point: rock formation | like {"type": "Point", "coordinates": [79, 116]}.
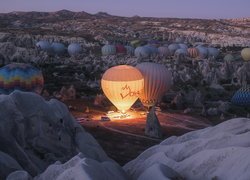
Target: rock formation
{"type": "Point", "coordinates": [35, 133]}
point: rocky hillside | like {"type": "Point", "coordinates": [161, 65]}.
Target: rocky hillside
{"type": "Point", "coordinates": [102, 26]}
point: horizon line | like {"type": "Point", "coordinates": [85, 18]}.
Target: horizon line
{"type": "Point", "coordinates": [162, 17]}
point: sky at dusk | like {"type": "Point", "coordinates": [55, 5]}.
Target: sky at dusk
{"type": "Point", "coordinates": [149, 8]}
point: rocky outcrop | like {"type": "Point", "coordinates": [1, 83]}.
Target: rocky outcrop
{"type": "Point", "coordinates": [35, 133]}
{"type": "Point", "coordinates": [220, 152]}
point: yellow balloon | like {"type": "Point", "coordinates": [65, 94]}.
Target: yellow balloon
{"type": "Point", "coordinates": [245, 53]}
{"type": "Point", "coordinates": [122, 85]}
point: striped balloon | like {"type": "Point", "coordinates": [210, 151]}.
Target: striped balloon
{"type": "Point", "coordinates": [193, 52]}
{"type": "Point", "coordinates": [242, 97]}
{"type": "Point", "coordinates": [157, 80]}
{"type": "Point", "coordinates": [19, 76]}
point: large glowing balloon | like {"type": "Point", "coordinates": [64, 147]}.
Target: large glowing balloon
{"type": "Point", "coordinates": [19, 76]}
{"type": "Point", "coordinates": [122, 85]}
{"type": "Point", "coordinates": [245, 53]}
{"type": "Point", "coordinates": [157, 80]}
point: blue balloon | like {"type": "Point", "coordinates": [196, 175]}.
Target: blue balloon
{"type": "Point", "coordinates": [130, 50]}
{"type": "Point", "coordinates": [142, 51]}
{"type": "Point", "coordinates": [203, 52]}
{"type": "Point", "coordinates": [43, 45]}
{"type": "Point", "coordinates": [213, 52]}
{"type": "Point", "coordinates": [153, 50]}
{"type": "Point", "coordinates": [242, 97]}
{"type": "Point", "coordinates": [58, 48]}
{"type": "Point", "coordinates": [74, 49]}
{"type": "Point", "coordinates": [172, 48]}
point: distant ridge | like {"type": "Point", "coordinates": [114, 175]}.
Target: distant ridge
{"type": "Point", "coordinates": [67, 13]}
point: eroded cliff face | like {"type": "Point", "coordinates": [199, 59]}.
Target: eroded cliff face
{"type": "Point", "coordinates": [36, 133]}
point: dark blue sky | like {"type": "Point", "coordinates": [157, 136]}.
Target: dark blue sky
{"type": "Point", "coordinates": [154, 8]}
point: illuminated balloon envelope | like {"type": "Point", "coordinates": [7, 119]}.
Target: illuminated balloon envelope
{"type": "Point", "coordinates": [157, 80]}
{"type": "Point", "coordinates": [122, 85]}
{"type": "Point", "coordinates": [19, 76]}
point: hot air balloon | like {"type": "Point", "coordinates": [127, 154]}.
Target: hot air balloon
{"type": "Point", "coordinates": [157, 80]}
{"type": "Point", "coordinates": [74, 49]}
{"type": "Point", "coordinates": [43, 45]}
{"type": "Point", "coordinates": [213, 52]}
{"type": "Point", "coordinates": [108, 49]}
{"type": "Point", "coordinates": [120, 49]}
{"type": "Point", "coordinates": [130, 50]}
{"type": "Point", "coordinates": [19, 76]}
{"type": "Point", "coordinates": [242, 97]}
{"type": "Point", "coordinates": [182, 46]}
{"type": "Point", "coordinates": [181, 51]}
{"type": "Point", "coordinates": [203, 52]}
{"type": "Point", "coordinates": [58, 48]}
{"type": "Point", "coordinates": [245, 53]}
{"type": "Point", "coordinates": [163, 51]}
{"type": "Point", "coordinates": [153, 50]}
{"type": "Point", "coordinates": [180, 54]}
{"type": "Point", "coordinates": [193, 52]}
{"type": "Point", "coordinates": [122, 85]}
{"type": "Point", "coordinates": [172, 48]}
{"type": "Point", "coordinates": [142, 51]}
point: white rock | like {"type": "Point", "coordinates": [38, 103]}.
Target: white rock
{"type": "Point", "coordinates": [80, 167]}
{"type": "Point", "coordinates": [220, 152]}
{"type": "Point", "coordinates": [37, 133]}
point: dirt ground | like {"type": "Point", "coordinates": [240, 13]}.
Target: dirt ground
{"type": "Point", "coordinates": [123, 139]}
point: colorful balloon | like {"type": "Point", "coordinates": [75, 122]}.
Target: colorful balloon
{"type": "Point", "coordinates": [193, 52]}
{"type": "Point", "coordinates": [157, 80]}
{"type": "Point", "coordinates": [122, 85]}
{"type": "Point", "coordinates": [19, 76]}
